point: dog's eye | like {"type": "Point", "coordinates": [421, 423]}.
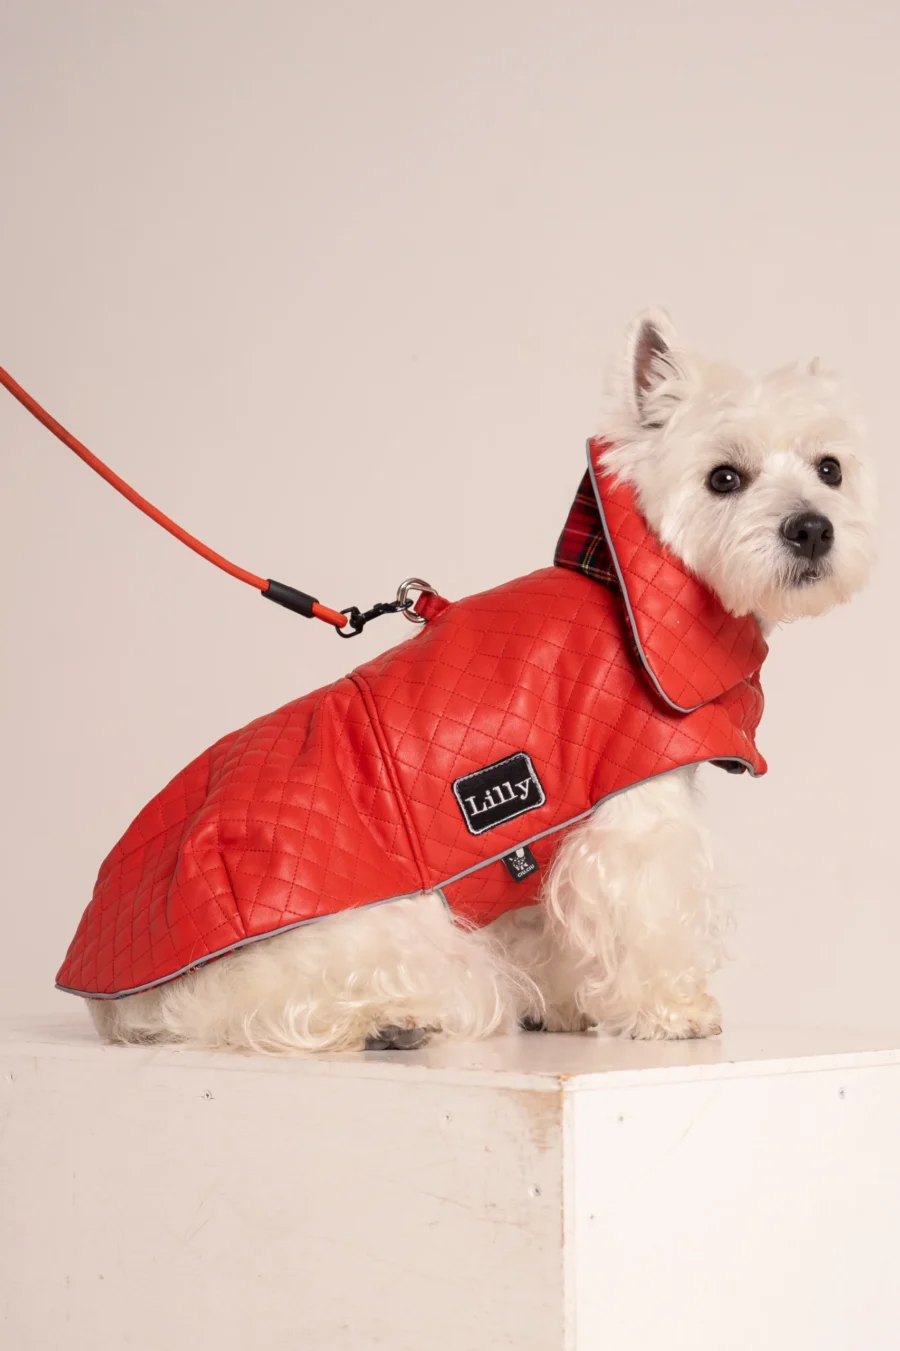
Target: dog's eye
{"type": "Point", "coordinates": [724, 479]}
{"type": "Point", "coordinates": [830, 471]}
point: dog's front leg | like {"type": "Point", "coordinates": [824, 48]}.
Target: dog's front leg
{"type": "Point", "coordinates": [631, 912]}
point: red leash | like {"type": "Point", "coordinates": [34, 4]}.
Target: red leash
{"type": "Point", "coordinates": [291, 599]}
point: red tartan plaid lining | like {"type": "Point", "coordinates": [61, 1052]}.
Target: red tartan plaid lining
{"type": "Point", "coordinates": [582, 545]}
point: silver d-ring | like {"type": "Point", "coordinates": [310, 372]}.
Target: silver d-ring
{"type": "Point", "coordinates": [403, 590]}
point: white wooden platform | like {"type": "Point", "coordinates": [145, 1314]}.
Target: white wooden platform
{"type": "Point", "coordinates": [538, 1193]}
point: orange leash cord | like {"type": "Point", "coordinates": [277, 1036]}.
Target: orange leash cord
{"type": "Point", "coordinates": [288, 596]}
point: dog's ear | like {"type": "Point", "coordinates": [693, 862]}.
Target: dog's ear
{"type": "Point", "coordinates": [651, 368]}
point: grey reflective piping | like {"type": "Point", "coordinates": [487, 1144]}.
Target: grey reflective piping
{"type": "Point", "coordinates": [241, 943]}
{"type": "Point", "coordinates": [627, 599]}
{"type": "Point", "coordinates": [407, 896]}
{"type": "Point", "coordinates": [573, 820]}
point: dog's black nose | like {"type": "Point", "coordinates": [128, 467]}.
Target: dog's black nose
{"type": "Point", "coordinates": [810, 534]}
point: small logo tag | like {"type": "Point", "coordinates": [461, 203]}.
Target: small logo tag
{"type": "Point", "coordinates": [521, 863]}
{"type": "Point", "coordinates": [491, 796]}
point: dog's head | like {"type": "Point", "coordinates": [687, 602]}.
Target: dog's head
{"type": "Point", "coordinates": [756, 483]}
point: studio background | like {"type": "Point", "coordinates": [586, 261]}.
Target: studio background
{"type": "Point", "coordinates": [335, 285]}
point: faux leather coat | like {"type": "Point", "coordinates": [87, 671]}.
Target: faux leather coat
{"type": "Point", "coordinates": [451, 763]}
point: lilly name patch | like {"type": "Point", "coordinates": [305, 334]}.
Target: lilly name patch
{"type": "Point", "coordinates": [498, 793]}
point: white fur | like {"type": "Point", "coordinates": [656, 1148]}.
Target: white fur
{"type": "Point", "coordinates": [774, 428]}
{"type": "Point", "coordinates": [630, 925]}
{"type": "Point", "coordinates": [331, 985]}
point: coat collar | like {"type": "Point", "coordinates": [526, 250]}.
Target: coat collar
{"type": "Point", "coordinates": [690, 648]}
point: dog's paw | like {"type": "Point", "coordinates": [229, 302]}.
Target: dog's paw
{"type": "Point", "coordinates": [393, 1038]}
{"type": "Point", "coordinates": [685, 1023]}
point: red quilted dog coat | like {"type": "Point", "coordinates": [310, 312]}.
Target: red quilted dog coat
{"type": "Point", "coordinates": [504, 721]}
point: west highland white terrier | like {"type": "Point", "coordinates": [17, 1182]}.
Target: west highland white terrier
{"type": "Point", "coordinates": [757, 485]}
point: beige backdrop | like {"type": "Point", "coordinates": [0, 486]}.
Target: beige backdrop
{"type": "Point", "coordinates": [335, 284]}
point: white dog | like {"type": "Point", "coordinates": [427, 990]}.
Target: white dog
{"type": "Point", "coordinates": [758, 486]}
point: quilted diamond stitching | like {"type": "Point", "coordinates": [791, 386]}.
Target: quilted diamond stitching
{"type": "Point", "coordinates": [296, 815]}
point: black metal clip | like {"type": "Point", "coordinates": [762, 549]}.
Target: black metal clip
{"type": "Point", "coordinates": [357, 619]}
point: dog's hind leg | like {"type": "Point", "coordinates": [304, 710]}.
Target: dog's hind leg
{"type": "Point", "coordinates": [386, 975]}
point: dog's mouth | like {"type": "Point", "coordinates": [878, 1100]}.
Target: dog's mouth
{"type": "Point", "coordinates": [807, 574]}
